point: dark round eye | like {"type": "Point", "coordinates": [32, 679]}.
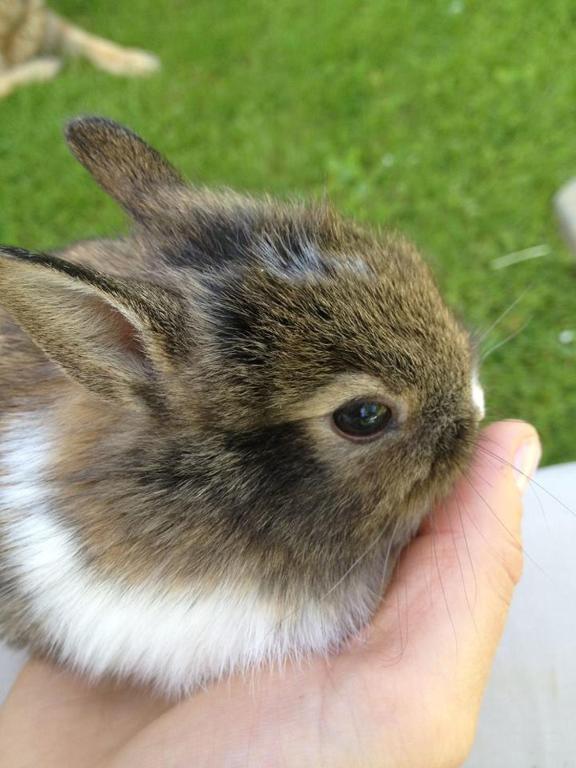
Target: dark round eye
{"type": "Point", "coordinates": [362, 418]}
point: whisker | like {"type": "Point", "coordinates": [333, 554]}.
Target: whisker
{"type": "Point", "coordinates": [479, 531]}
{"type": "Point", "coordinates": [443, 587]}
{"type": "Point", "coordinates": [530, 479]}
{"type": "Point", "coordinates": [513, 538]}
{"type": "Point", "coordinates": [366, 552]}
{"type": "Point", "coordinates": [506, 340]}
{"type": "Point", "coordinates": [469, 555]}
{"type": "Point", "coordinates": [541, 507]}
{"type": "Point", "coordinates": [503, 315]}
{"type": "Point", "coordinates": [480, 477]}
{"type": "Point", "coordinates": [403, 630]}
{"type": "Point", "coordinates": [533, 490]}
{"type": "Point", "coordinates": [402, 623]}
{"type": "Point", "coordinates": [354, 565]}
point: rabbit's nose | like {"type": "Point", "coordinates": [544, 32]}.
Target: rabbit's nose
{"type": "Point", "coordinates": [454, 436]}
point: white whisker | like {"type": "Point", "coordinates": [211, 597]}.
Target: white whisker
{"type": "Point", "coordinates": [506, 340]}
{"type": "Point", "coordinates": [503, 315]}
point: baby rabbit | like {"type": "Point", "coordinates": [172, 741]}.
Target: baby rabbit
{"type": "Point", "coordinates": [217, 432]}
{"type": "Point", "coordinates": [33, 40]}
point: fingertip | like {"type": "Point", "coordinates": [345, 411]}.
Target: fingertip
{"type": "Point", "coordinates": [526, 461]}
{"type": "Point", "coordinates": [514, 445]}
{"type": "Point", "coordinates": [510, 431]}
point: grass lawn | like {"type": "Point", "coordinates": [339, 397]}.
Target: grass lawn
{"type": "Point", "coordinates": [452, 120]}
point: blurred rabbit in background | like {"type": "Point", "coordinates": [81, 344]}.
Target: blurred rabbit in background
{"type": "Point", "coordinates": [34, 40]}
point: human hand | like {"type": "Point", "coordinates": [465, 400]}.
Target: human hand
{"type": "Point", "coordinates": [406, 694]}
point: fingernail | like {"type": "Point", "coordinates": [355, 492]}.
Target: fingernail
{"type": "Point", "coordinates": [526, 461]}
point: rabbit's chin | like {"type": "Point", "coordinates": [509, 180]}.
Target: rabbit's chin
{"type": "Point", "coordinates": [153, 634]}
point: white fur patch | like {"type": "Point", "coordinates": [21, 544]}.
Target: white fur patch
{"type": "Point", "coordinates": [173, 640]}
{"type": "Point", "coordinates": [478, 396]}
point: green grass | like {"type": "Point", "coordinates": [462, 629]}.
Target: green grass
{"type": "Point", "coordinates": [449, 119]}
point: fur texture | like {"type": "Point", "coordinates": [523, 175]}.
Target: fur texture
{"type": "Point", "coordinates": [175, 502]}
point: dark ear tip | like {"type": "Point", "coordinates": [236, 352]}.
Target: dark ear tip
{"type": "Point", "coordinates": [83, 122]}
{"type": "Point", "coordinates": [81, 128]}
{"type": "Point", "coordinates": [122, 163]}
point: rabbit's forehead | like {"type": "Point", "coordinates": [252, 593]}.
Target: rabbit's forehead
{"type": "Point", "coordinates": [374, 327]}
{"type": "Point", "coordinates": [342, 335]}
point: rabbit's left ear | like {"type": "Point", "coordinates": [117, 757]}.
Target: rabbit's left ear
{"type": "Point", "coordinates": [118, 338]}
{"type": "Point", "coordinates": [127, 168]}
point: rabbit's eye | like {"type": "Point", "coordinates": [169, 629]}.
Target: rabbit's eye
{"type": "Point", "coordinates": [360, 419]}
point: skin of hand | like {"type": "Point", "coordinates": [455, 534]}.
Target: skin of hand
{"type": "Point", "coordinates": [403, 695]}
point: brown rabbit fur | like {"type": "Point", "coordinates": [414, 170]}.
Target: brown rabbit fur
{"type": "Point", "coordinates": [175, 502]}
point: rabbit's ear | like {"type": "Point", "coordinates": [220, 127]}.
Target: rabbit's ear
{"type": "Point", "coordinates": [122, 163]}
{"type": "Point", "coordinates": [117, 338]}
